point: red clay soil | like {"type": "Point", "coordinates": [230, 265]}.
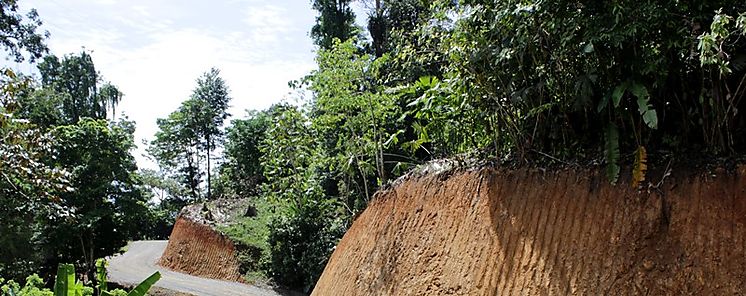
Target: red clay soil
{"type": "Point", "coordinates": [496, 232]}
{"type": "Point", "coordinates": [196, 248]}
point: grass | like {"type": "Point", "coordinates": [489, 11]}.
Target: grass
{"type": "Point", "coordinates": [257, 278]}
{"type": "Point", "coordinates": [252, 232]}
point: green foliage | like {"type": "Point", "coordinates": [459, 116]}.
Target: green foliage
{"type": "Point", "coordinates": [193, 131]}
{"type": "Point", "coordinates": [79, 86]}
{"type": "Point", "coordinates": [612, 153]}
{"type": "Point", "coordinates": [518, 77]}
{"type": "Point", "coordinates": [42, 107]}
{"type": "Point", "coordinates": [353, 117]}
{"type": "Point", "coordinates": [305, 221]}
{"type": "Point", "coordinates": [106, 202]}
{"type": "Point", "coordinates": [243, 168]}
{"type": "Point", "coordinates": [30, 188]}
{"type": "Point", "coordinates": [117, 292]}
{"type": "Point", "coordinates": [34, 287]}
{"type": "Point", "coordinates": [212, 93]}
{"type": "Point", "coordinates": [101, 265]}
{"type": "Point", "coordinates": [66, 285]}
{"type": "Point", "coordinates": [301, 241]}
{"type": "Point", "coordinates": [335, 21]}
{"type": "Point", "coordinates": [392, 19]}
{"type": "Point", "coordinates": [251, 234]}
{"type": "Point", "coordinates": [67, 177]}
{"type": "Point", "coordinates": [716, 45]}
{"type": "Point", "coordinates": [142, 288]}
{"type": "Point", "coordinates": [175, 149]}
{"type": "Point", "coordinates": [166, 198]}
{"type": "Point", "coordinates": [19, 35]}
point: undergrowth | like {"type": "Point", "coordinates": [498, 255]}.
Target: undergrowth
{"type": "Point", "coordinates": [250, 234]}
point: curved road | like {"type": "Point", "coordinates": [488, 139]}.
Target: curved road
{"type": "Point", "coordinates": [139, 262]}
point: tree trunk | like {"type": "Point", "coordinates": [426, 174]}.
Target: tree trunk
{"type": "Point", "coordinates": [192, 175]}
{"type": "Point", "coordinates": [209, 179]}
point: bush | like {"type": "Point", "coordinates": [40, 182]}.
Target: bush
{"type": "Point", "coordinates": [118, 292]}
{"type": "Point", "coordinates": [34, 287]}
{"type": "Point", "coordinates": [301, 242]}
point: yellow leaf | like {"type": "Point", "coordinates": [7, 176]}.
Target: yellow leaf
{"type": "Point", "coordinates": [641, 166]}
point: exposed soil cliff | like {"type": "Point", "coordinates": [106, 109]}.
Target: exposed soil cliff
{"type": "Point", "coordinates": [496, 232]}
{"type": "Point", "coordinates": [196, 248]}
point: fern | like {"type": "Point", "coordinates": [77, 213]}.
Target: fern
{"type": "Point", "coordinates": [612, 153]}
{"type": "Point", "coordinates": [641, 166]}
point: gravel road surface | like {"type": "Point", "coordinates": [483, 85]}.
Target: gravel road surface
{"type": "Point", "coordinates": [139, 262]}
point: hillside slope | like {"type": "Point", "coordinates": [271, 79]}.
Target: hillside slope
{"type": "Point", "coordinates": [196, 248]}
{"type": "Point", "coordinates": [496, 232]}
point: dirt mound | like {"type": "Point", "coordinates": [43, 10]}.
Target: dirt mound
{"type": "Point", "coordinates": [494, 232]}
{"type": "Point", "coordinates": [196, 248]}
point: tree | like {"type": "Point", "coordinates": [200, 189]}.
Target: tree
{"type": "Point", "coordinates": [30, 188]}
{"type": "Point", "coordinates": [242, 152]}
{"type": "Point", "coordinates": [166, 199]}
{"type": "Point", "coordinates": [351, 115]}
{"type": "Point", "coordinates": [43, 107]}
{"type": "Point", "coordinates": [175, 147]}
{"type": "Point", "coordinates": [335, 21]}
{"type": "Point", "coordinates": [212, 99]}
{"type": "Point", "coordinates": [305, 225]}
{"type": "Point", "coordinates": [18, 34]}
{"type": "Point", "coordinates": [76, 79]}
{"type": "Point", "coordinates": [106, 203]}
{"type": "Point", "coordinates": [193, 129]}
{"type": "Point", "coordinates": [394, 18]}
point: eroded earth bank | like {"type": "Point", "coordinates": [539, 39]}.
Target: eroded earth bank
{"type": "Point", "coordinates": [500, 232]}
{"type": "Point", "coordinates": [196, 248]}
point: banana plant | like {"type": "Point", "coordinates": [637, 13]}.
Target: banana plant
{"type": "Point", "coordinates": [141, 288]}
{"type": "Point", "coordinates": [66, 285]}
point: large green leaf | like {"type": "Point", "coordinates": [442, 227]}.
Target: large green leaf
{"type": "Point", "coordinates": [145, 285]}
{"type": "Point", "coordinates": [101, 275]}
{"type": "Point", "coordinates": [64, 284]}
{"type": "Point", "coordinates": [639, 90]}
{"type": "Point", "coordinates": [611, 152]}
{"type": "Point", "coordinates": [616, 95]}
{"type": "Point", "coordinates": [649, 116]}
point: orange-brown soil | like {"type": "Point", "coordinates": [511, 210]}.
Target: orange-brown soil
{"type": "Point", "coordinates": [498, 232]}
{"type": "Point", "coordinates": [196, 248]}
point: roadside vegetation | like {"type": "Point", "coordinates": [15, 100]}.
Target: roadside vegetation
{"type": "Point", "coordinates": [65, 284]}
{"type": "Point", "coordinates": [623, 86]}
{"type": "Point", "coordinates": [69, 185]}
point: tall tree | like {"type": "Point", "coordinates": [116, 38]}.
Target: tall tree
{"type": "Point", "coordinates": [175, 147]}
{"type": "Point", "coordinates": [335, 20]}
{"type": "Point", "coordinates": [193, 129]}
{"type": "Point", "coordinates": [106, 203]}
{"type": "Point", "coordinates": [29, 187]}
{"type": "Point", "coordinates": [212, 99]}
{"type": "Point", "coordinates": [388, 18]}
{"type": "Point", "coordinates": [76, 78]}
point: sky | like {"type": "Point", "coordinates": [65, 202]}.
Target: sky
{"type": "Point", "coordinates": [154, 51]}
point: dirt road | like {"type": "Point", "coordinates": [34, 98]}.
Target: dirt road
{"type": "Point", "coordinates": [139, 262]}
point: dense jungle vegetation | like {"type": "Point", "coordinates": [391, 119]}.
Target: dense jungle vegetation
{"type": "Point", "coordinates": [616, 84]}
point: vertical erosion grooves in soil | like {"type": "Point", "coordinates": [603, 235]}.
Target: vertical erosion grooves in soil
{"type": "Point", "coordinates": [196, 248]}
{"type": "Point", "coordinates": [495, 232]}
